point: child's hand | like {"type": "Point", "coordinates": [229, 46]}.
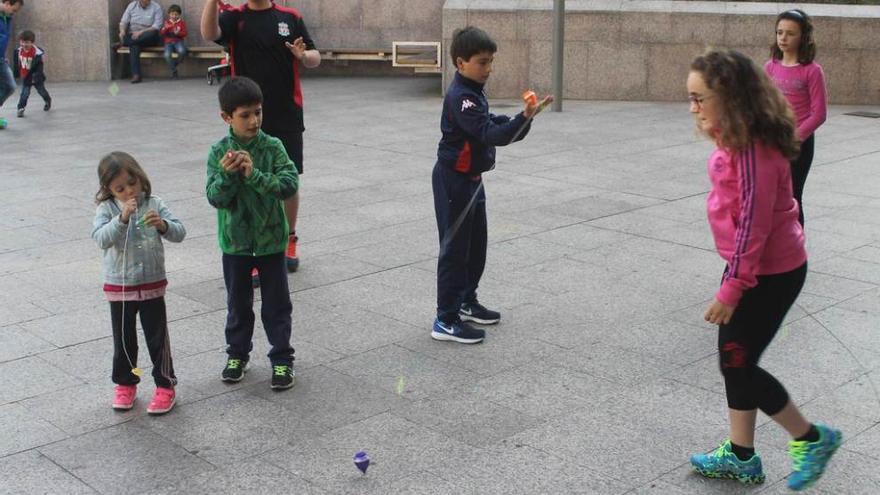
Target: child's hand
{"type": "Point", "coordinates": [718, 313]}
{"type": "Point", "coordinates": [152, 219]}
{"type": "Point", "coordinates": [532, 106]}
{"type": "Point", "coordinates": [247, 164]}
{"type": "Point", "coordinates": [297, 48]}
{"type": "Point", "coordinates": [230, 162]}
{"type": "Point", "coordinates": [128, 209]}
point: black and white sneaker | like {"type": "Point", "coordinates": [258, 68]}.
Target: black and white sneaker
{"type": "Point", "coordinates": [458, 331]}
{"type": "Point", "coordinates": [478, 313]}
{"type": "Point", "coordinates": [283, 376]}
{"type": "Point", "coordinates": [234, 370]}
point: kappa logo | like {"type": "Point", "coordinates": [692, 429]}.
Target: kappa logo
{"type": "Point", "coordinates": [465, 104]}
{"type": "Point", "coordinates": [283, 29]}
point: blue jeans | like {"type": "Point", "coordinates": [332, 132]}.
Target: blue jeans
{"type": "Point", "coordinates": [26, 93]}
{"type": "Point", "coordinates": [170, 48]}
{"type": "Point", "coordinates": [7, 82]}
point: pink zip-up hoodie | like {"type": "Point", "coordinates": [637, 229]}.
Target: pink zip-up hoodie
{"type": "Point", "coordinates": [753, 216]}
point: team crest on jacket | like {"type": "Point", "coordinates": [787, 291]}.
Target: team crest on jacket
{"type": "Point", "coordinates": [283, 29]}
{"type": "Point", "coordinates": [465, 104]}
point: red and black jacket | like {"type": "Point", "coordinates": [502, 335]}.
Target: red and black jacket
{"type": "Point", "coordinates": [470, 132]}
{"type": "Point", "coordinates": [28, 69]}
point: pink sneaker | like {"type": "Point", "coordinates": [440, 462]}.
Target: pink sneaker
{"type": "Point", "coordinates": [124, 396]}
{"type": "Point", "coordinates": [162, 402]}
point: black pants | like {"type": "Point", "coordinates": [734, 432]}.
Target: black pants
{"type": "Point", "coordinates": [800, 167]}
{"type": "Point", "coordinates": [134, 45]}
{"type": "Point", "coordinates": [293, 144]}
{"type": "Point", "coordinates": [276, 308]}
{"type": "Point", "coordinates": [26, 93]}
{"type": "Point", "coordinates": [125, 352]}
{"type": "Point", "coordinates": [458, 198]}
{"type": "Point", "coordinates": [742, 341]}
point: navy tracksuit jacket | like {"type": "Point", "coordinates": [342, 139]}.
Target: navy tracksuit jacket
{"type": "Point", "coordinates": [466, 150]}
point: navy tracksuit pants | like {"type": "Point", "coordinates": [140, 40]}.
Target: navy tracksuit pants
{"type": "Point", "coordinates": [460, 207]}
{"type": "Point", "coordinates": [276, 308]}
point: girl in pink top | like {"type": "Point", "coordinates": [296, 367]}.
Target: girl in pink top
{"type": "Point", "coordinates": [802, 81]}
{"type": "Point", "coordinates": [753, 217]}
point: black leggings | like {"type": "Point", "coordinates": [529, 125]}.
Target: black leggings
{"type": "Point", "coordinates": [125, 354]}
{"type": "Point", "coordinates": [742, 341]}
{"type": "Point", "coordinates": [800, 167]}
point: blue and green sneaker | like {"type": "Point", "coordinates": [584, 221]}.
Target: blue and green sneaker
{"type": "Point", "coordinates": [3, 123]}
{"type": "Point", "coordinates": [810, 458]}
{"type": "Point", "coordinates": [723, 463]}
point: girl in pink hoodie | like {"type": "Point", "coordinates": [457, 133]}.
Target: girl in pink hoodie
{"type": "Point", "coordinates": [754, 219]}
{"type": "Point", "coordinates": [802, 81]}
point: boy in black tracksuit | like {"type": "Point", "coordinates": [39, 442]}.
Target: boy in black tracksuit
{"type": "Point", "coordinates": [466, 150]}
{"type": "Point", "coordinates": [27, 65]}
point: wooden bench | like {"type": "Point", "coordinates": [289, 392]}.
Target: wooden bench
{"type": "Point", "coordinates": [420, 56]}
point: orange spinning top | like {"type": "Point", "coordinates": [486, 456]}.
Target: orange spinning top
{"type": "Point", "coordinates": [530, 97]}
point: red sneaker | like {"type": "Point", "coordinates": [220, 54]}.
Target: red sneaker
{"type": "Point", "coordinates": [163, 401]}
{"type": "Point", "coordinates": [124, 396]}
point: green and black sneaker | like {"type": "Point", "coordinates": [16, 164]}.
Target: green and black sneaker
{"type": "Point", "coordinates": [234, 370]}
{"type": "Point", "coordinates": [283, 376]}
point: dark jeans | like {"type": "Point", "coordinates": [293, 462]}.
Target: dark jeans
{"type": "Point", "coordinates": [155, 327]}
{"type": "Point", "coordinates": [741, 342]}
{"type": "Point", "coordinates": [275, 311]}
{"type": "Point", "coordinates": [463, 247]}
{"type": "Point", "coordinates": [26, 93]}
{"type": "Point", "coordinates": [800, 167]}
{"type": "Point", "coordinates": [170, 48]}
{"type": "Point", "coordinates": [149, 39]}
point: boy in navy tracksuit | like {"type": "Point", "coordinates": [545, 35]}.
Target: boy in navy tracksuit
{"type": "Point", "coordinates": [466, 150]}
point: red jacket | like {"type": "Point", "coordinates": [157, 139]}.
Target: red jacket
{"type": "Point", "coordinates": [173, 32]}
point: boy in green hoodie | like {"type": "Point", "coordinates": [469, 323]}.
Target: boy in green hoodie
{"type": "Point", "coordinates": [249, 177]}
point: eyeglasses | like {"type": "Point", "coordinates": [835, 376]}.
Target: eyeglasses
{"type": "Point", "coordinates": [698, 100]}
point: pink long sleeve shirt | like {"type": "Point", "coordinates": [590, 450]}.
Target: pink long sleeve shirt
{"type": "Point", "coordinates": [804, 88]}
{"type": "Point", "coordinates": [753, 217]}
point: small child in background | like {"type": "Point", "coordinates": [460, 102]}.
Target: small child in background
{"type": "Point", "coordinates": [754, 220]}
{"type": "Point", "coordinates": [173, 32]}
{"type": "Point", "coordinates": [28, 62]}
{"type": "Point", "coordinates": [249, 177]}
{"type": "Point", "coordinates": [129, 226]}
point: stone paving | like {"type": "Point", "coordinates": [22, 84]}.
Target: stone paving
{"type": "Point", "coordinates": [601, 378]}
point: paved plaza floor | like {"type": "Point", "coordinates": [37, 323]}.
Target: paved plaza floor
{"type": "Point", "coordinates": [601, 378]}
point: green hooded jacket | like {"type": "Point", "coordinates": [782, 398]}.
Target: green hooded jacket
{"type": "Point", "coordinates": [250, 212]}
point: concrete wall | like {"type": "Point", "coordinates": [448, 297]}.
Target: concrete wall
{"type": "Point", "coordinates": [77, 33]}
{"type": "Point", "coordinates": [641, 49]}
{"type": "Point", "coordinates": [74, 35]}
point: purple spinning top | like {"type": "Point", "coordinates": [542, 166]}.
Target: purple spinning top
{"type": "Point", "coordinates": [361, 461]}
